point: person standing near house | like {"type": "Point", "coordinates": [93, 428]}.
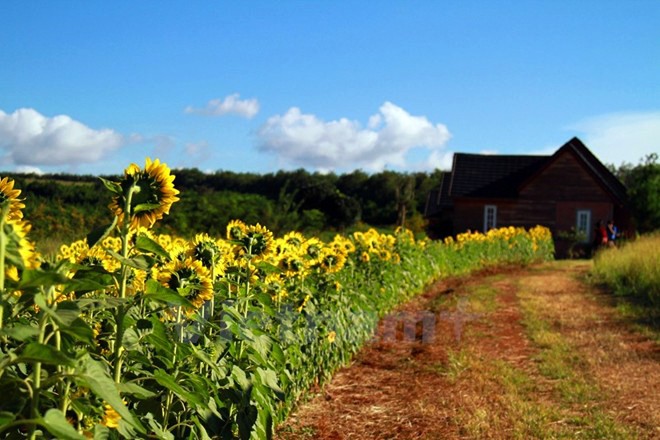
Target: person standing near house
{"type": "Point", "coordinates": [600, 236]}
{"type": "Point", "coordinates": [612, 233]}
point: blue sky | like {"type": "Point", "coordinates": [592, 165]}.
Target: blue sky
{"type": "Point", "coordinates": [258, 86]}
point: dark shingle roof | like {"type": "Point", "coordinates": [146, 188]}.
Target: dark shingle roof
{"type": "Point", "coordinates": [477, 175]}
{"type": "Point", "coordinates": [502, 176]}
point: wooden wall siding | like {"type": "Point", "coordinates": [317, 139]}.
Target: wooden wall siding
{"type": "Point", "coordinates": [564, 179]}
{"type": "Point", "coordinates": [530, 213]}
{"type": "Point", "coordinates": [567, 213]}
{"type": "Point", "coordinates": [469, 214]}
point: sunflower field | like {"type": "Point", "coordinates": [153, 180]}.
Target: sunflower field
{"type": "Point", "coordinates": [126, 333]}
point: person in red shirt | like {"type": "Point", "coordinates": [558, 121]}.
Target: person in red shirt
{"type": "Point", "coordinates": [600, 235]}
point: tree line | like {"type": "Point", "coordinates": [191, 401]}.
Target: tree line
{"type": "Point", "coordinates": [64, 207]}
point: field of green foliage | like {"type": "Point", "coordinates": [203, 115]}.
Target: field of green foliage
{"type": "Point", "coordinates": [126, 333]}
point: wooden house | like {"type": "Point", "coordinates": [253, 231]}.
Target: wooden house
{"type": "Point", "coordinates": [568, 192]}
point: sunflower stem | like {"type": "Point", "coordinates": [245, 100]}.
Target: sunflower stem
{"type": "Point", "coordinates": [121, 309]}
{"type": "Point", "coordinates": [36, 379]}
{"type": "Point", "coordinates": [212, 305]}
{"type": "Point", "coordinates": [3, 251]}
{"type": "Point", "coordinates": [169, 400]}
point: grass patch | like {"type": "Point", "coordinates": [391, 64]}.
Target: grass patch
{"type": "Point", "coordinates": [471, 299]}
{"type": "Point", "coordinates": [631, 273]}
{"type": "Point", "coordinates": [298, 432]}
{"type": "Point", "coordinates": [632, 270]}
{"type": "Point", "coordinates": [576, 396]}
{"type": "Point", "coordinates": [643, 319]}
{"type": "Point", "coordinates": [457, 363]}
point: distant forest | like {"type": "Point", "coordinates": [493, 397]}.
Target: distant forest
{"type": "Point", "coordinates": [63, 207]}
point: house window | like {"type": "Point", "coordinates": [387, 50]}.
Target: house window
{"type": "Point", "coordinates": [583, 224]}
{"type": "Point", "coordinates": [490, 217]}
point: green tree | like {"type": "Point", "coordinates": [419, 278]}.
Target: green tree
{"type": "Point", "coordinates": [643, 184]}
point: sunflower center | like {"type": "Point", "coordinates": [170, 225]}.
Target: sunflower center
{"type": "Point", "coordinates": [206, 253]}
{"type": "Point", "coordinates": [181, 278]}
{"type": "Point", "coordinates": [256, 243]}
{"type": "Point", "coordinates": [146, 192]}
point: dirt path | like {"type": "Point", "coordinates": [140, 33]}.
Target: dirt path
{"type": "Point", "coordinates": [527, 353]}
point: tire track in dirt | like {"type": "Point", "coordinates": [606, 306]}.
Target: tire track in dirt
{"type": "Point", "coordinates": [456, 381]}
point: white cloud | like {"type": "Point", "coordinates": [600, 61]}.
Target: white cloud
{"type": "Point", "coordinates": [246, 108]}
{"type": "Point", "coordinates": [305, 140]}
{"type": "Point", "coordinates": [28, 138]}
{"type": "Point", "coordinates": [28, 169]}
{"type": "Point", "coordinates": [616, 138]}
{"type": "Point", "coordinates": [442, 160]}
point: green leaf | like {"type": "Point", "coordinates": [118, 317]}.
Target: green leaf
{"type": "Point", "coordinates": [204, 357]}
{"type": "Point", "coordinates": [157, 429]}
{"type": "Point", "coordinates": [171, 384]}
{"type": "Point", "coordinates": [21, 332]}
{"type": "Point", "coordinates": [86, 280]}
{"type": "Point", "coordinates": [157, 292]}
{"type": "Point", "coordinates": [159, 337]}
{"type": "Point", "coordinates": [6, 418]}
{"type": "Point", "coordinates": [91, 374]}
{"type": "Point", "coordinates": [268, 378]}
{"type": "Point", "coordinates": [66, 313]}
{"type": "Point", "coordinates": [268, 268]}
{"type": "Point", "coordinates": [38, 278]}
{"type": "Point", "coordinates": [277, 355]}
{"type": "Point", "coordinates": [146, 244]}
{"type": "Point", "coordinates": [239, 376]}
{"type": "Point", "coordinates": [201, 431]}
{"type": "Point", "coordinates": [56, 424]}
{"type": "Point", "coordinates": [80, 331]}
{"type": "Point", "coordinates": [98, 234]}
{"type": "Point", "coordinates": [141, 262]}
{"type": "Point", "coordinates": [145, 207]}
{"type": "Point", "coordinates": [101, 432]}
{"type": "Point", "coordinates": [136, 390]}
{"type": "Point", "coordinates": [114, 187]}
{"type": "Point", "coordinates": [36, 352]}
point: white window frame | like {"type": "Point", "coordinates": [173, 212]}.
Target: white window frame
{"type": "Point", "coordinates": [490, 210]}
{"type": "Point", "coordinates": [583, 223]}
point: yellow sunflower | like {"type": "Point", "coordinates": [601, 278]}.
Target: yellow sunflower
{"type": "Point", "coordinates": [205, 249]}
{"type": "Point", "coordinates": [257, 241]}
{"type": "Point", "coordinates": [274, 285]}
{"type": "Point", "coordinates": [153, 193]}
{"type": "Point", "coordinates": [332, 260]}
{"type": "Point", "coordinates": [7, 192]}
{"type": "Point", "coordinates": [19, 245]}
{"type": "Point", "coordinates": [190, 279]}
{"type": "Point", "coordinates": [235, 230]}
{"type": "Point", "coordinates": [313, 248]}
{"type": "Point", "coordinates": [111, 417]}
{"type": "Point", "coordinates": [79, 252]}
{"type": "Point", "coordinates": [293, 266]}
{"type": "Point", "coordinates": [179, 252]}
{"type": "Point", "coordinates": [294, 239]}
